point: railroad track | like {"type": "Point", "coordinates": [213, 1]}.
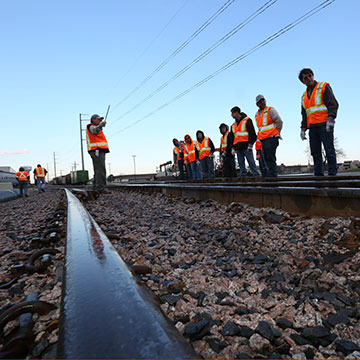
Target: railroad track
{"type": "Point", "coordinates": [306, 195]}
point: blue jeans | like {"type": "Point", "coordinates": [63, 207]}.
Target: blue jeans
{"type": "Point", "coordinates": [318, 135]}
{"type": "Point", "coordinates": [23, 187]}
{"type": "Point", "coordinates": [269, 146]}
{"type": "Point", "coordinates": [207, 168]}
{"type": "Point", "coordinates": [195, 171]}
{"type": "Point", "coordinates": [241, 155]}
{"type": "Point", "coordinates": [40, 183]}
{"type": "Point", "coordinates": [189, 175]}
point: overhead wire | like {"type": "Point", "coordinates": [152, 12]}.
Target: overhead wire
{"type": "Point", "coordinates": [268, 40]}
{"type": "Point", "coordinates": [177, 51]}
{"type": "Point", "coordinates": [204, 54]}
{"type": "Point", "coordinates": [152, 41]}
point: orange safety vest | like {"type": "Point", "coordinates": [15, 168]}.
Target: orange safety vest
{"type": "Point", "coordinates": [266, 125]}
{"type": "Point", "coordinates": [240, 133]}
{"type": "Point", "coordinates": [40, 172]}
{"type": "Point", "coordinates": [22, 175]}
{"type": "Point", "coordinates": [224, 141]}
{"type": "Point", "coordinates": [177, 151]}
{"type": "Point", "coordinates": [203, 148]}
{"type": "Point", "coordinates": [316, 111]}
{"type": "Point", "coordinates": [189, 152]}
{"type": "Point", "coordinates": [258, 147]}
{"type": "Point", "coordinates": [95, 141]}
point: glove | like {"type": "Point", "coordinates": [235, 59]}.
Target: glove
{"type": "Point", "coordinates": [102, 123]}
{"type": "Point", "coordinates": [233, 152]}
{"type": "Point", "coordinates": [302, 134]}
{"type": "Point", "coordinates": [249, 148]}
{"type": "Point", "coordinates": [197, 162]}
{"type": "Point", "coordinates": [330, 124]}
{"type": "Point", "coordinates": [212, 156]}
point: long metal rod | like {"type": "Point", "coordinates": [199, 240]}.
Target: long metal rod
{"type": "Point", "coordinates": [106, 312]}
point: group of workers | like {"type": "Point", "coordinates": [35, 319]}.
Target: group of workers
{"type": "Point", "coordinates": [23, 178]}
{"type": "Point", "coordinates": [195, 158]}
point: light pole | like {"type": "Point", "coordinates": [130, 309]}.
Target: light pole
{"type": "Point", "coordinates": [81, 138]}
{"type": "Point", "coordinates": [134, 156]}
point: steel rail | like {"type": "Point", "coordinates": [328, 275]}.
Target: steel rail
{"type": "Point", "coordinates": [312, 201]}
{"type": "Point", "coordinates": [106, 312]}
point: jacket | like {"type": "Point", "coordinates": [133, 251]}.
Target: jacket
{"type": "Point", "coordinates": [40, 171]}
{"type": "Point", "coordinates": [325, 98]}
{"type": "Point", "coordinates": [191, 153]}
{"type": "Point", "coordinates": [226, 143]}
{"type": "Point", "coordinates": [96, 140]}
{"type": "Point", "coordinates": [266, 124]}
{"type": "Point", "coordinates": [249, 129]}
{"type": "Point", "coordinates": [22, 176]}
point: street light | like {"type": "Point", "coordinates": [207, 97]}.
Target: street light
{"type": "Point", "coordinates": [134, 156]}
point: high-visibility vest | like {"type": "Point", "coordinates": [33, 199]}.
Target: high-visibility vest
{"type": "Point", "coordinates": [203, 148]}
{"type": "Point", "coordinates": [177, 151]}
{"type": "Point", "coordinates": [95, 141]}
{"type": "Point", "coordinates": [22, 175]}
{"type": "Point", "coordinates": [258, 147]}
{"type": "Point", "coordinates": [40, 171]}
{"type": "Point", "coordinates": [316, 111]}
{"type": "Point", "coordinates": [239, 130]}
{"type": "Point", "coordinates": [266, 125]}
{"type": "Point", "coordinates": [189, 152]}
{"type": "Point", "coordinates": [224, 141]}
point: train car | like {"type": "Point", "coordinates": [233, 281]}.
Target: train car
{"type": "Point", "coordinates": [79, 177]}
{"type": "Point", "coordinates": [6, 176]}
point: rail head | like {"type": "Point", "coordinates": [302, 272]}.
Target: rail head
{"type": "Point", "coordinates": [106, 311]}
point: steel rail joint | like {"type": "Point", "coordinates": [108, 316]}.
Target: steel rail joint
{"type": "Point", "coordinates": [105, 311]}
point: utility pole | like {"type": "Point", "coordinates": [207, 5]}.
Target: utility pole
{"type": "Point", "coordinates": [81, 138]}
{"type": "Point", "coordinates": [134, 156]}
{"type": "Point", "coordinates": [75, 165]}
{"type": "Point", "coordinates": [54, 165]}
{"type": "Point", "coordinates": [47, 167]}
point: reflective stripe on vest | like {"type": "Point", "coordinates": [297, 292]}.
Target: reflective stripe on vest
{"type": "Point", "coordinates": [177, 151]}
{"type": "Point", "coordinates": [240, 133]}
{"type": "Point", "coordinates": [40, 172]}
{"type": "Point", "coordinates": [190, 153]}
{"type": "Point", "coordinates": [203, 148]}
{"type": "Point", "coordinates": [266, 125]}
{"type": "Point", "coordinates": [22, 175]}
{"type": "Point", "coordinates": [95, 141]}
{"type": "Point", "coordinates": [316, 111]}
{"type": "Point", "coordinates": [224, 141]}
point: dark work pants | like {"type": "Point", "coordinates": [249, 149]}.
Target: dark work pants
{"type": "Point", "coordinates": [269, 146]}
{"type": "Point", "coordinates": [181, 169]}
{"type": "Point", "coordinates": [229, 170]}
{"type": "Point", "coordinates": [99, 170]}
{"type": "Point", "coordinates": [318, 135]}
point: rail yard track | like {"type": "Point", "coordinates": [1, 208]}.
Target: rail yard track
{"type": "Point", "coordinates": [234, 280]}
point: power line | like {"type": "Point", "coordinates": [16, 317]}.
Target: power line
{"type": "Point", "coordinates": [207, 52]}
{"type": "Point", "coordinates": [178, 50]}
{"type": "Point", "coordinates": [271, 38]}
{"type": "Point", "coordinates": [153, 41]}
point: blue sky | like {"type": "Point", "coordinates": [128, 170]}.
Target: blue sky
{"type": "Point", "coordinates": [63, 58]}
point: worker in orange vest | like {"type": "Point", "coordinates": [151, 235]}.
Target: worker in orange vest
{"type": "Point", "coordinates": [244, 138]}
{"type": "Point", "coordinates": [39, 176]}
{"type": "Point", "coordinates": [269, 124]}
{"type": "Point", "coordinates": [23, 178]}
{"type": "Point", "coordinates": [192, 161]}
{"type": "Point", "coordinates": [260, 157]}
{"type": "Point", "coordinates": [206, 151]}
{"type": "Point", "coordinates": [319, 109]}
{"type": "Point", "coordinates": [97, 148]}
{"type": "Point", "coordinates": [178, 157]}
{"type": "Point", "coordinates": [227, 157]}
